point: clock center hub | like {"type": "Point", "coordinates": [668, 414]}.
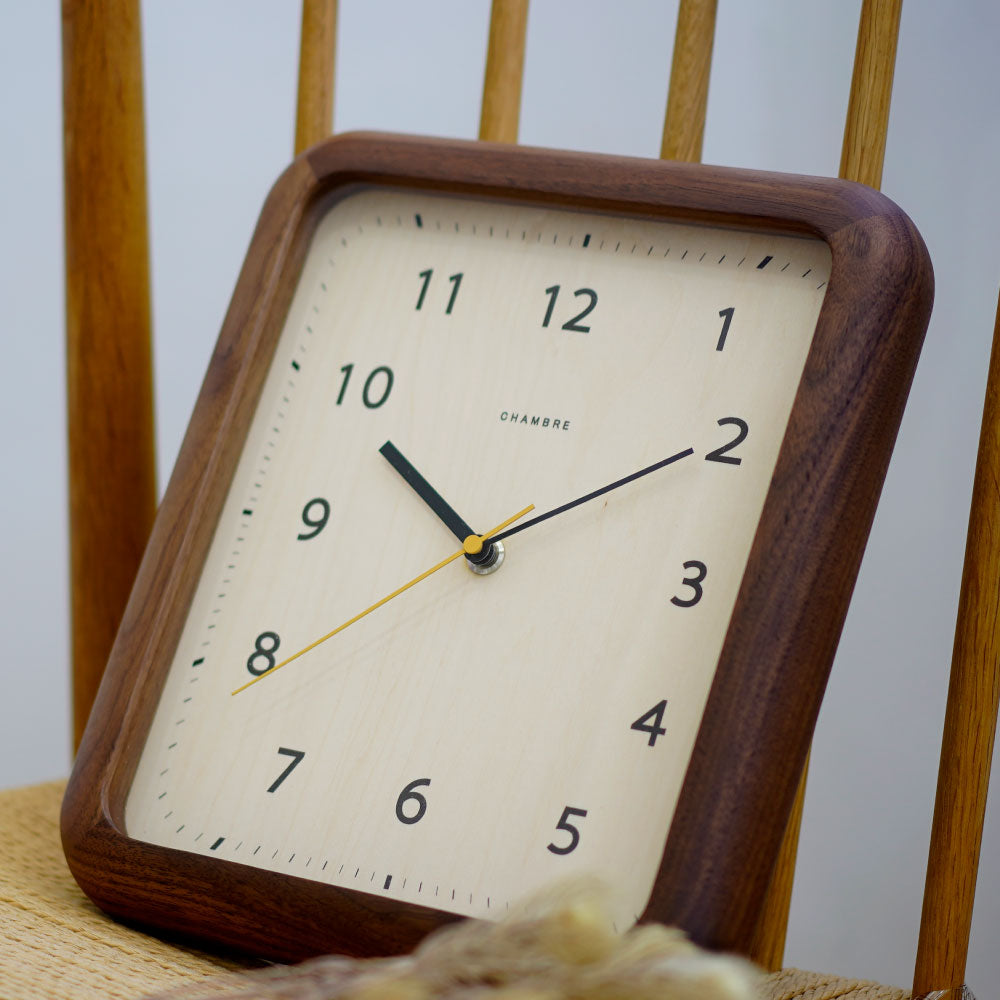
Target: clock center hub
{"type": "Point", "coordinates": [483, 559]}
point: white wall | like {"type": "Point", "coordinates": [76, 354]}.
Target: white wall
{"type": "Point", "coordinates": [220, 91]}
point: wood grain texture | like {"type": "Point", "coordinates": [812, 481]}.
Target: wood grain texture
{"type": "Point", "coordinates": [687, 100]}
{"type": "Point", "coordinates": [755, 733]}
{"type": "Point", "coordinates": [112, 484]}
{"type": "Point", "coordinates": [501, 109]}
{"type": "Point", "coordinates": [970, 723]}
{"type": "Point", "coordinates": [317, 45]}
{"type": "Point", "coordinates": [867, 122]}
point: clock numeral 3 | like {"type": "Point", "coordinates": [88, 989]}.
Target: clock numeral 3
{"type": "Point", "coordinates": [652, 722]}
{"type": "Point", "coordinates": [371, 385]}
{"type": "Point", "coordinates": [296, 756]}
{"type": "Point", "coordinates": [574, 833]}
{"type": "Point", "coordinates": [408, 794]}
{"type": "Point", "coordinates": [455, 279]}
{"type": "Point", "coordinates": [572, 324]}
{"type": "Point", "coordinates": [721, 454]}
{"type": "Point", "coordinates": [314, 522]}
{"type": "Point", "coordinates": [694, 582]}
{"type": "Point", "coordinates": [262, 652]}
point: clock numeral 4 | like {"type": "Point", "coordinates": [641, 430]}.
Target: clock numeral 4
{"type": "Point", "coordinates": [455, 279]}
{"type": "Point", "coordinates": [263, 649]}
{"type": "Point", "coordinates": [296, 756]}
{"type": "Point", "coordinates": [694, 582]}
{"type": "Point", "coordinates": [573, 324]}
{"type": "Point", "coordinates": [722, 454]}
{"type": "Point", "coordinates": [380, 378]}
{"type": "Point", "coordinates": [652, 722]}
{"type": "Point", "coordinates": [409, 795]}
{"type": "Point", "coordinates": [312, 520]}
{"type": "Point", "coordinates": [574, 833]}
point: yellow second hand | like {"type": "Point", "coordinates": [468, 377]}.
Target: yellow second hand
{"type": "Point", "coordinates": [472, 545]}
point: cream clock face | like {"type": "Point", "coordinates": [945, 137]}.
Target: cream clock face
{"type": "Point", "coordinates": [481, 734]}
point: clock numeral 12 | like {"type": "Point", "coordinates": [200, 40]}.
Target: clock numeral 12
{"type": "Point", "coordinates": [574, 833]}
{"type": "Point", "coordinates": [572, 324]}
{"type": "Point", "coordinates": [455, 279]}
{"type": "Point", "coordinates": [296, 756]}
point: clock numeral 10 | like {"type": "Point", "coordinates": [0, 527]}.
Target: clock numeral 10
{"type": "Point", "coordinates": [574, 833]}
{"type": "Point", "coordinates": [372, 383]}
{"type": "Point", "coordinates": [455, 279]}
{"type": "Point", "coordinates": [652, 722]}
{"type": "Point", "coordinates": [573, 324]}
{"type": "Point", "coordinates": [296, 756]}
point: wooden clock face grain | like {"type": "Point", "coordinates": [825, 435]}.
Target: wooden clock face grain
{"type": "Point", "coordinates": [481, 736]}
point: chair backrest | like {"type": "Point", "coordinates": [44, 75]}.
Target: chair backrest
{"type": "Point", "coordinates": [112, 486]}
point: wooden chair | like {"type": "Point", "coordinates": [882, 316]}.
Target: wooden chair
{"type": "Point", "coordinates": [110, 407]}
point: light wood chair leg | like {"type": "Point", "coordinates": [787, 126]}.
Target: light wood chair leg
{"type": "Point", "coordinates": [112, 475]}
{"type": "Point", "coordinates": [314, 107]}
{"type": "Point", "coordinates": [501, 109]}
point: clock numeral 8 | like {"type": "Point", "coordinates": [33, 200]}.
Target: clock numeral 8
{"type": "Point", "coordinates": [408, 794]}
{"type": "Point", "coordinates": [262, 652]}
{"type": "Point", "coordinates": [574, 833]}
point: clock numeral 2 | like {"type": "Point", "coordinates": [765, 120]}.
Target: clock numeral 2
{"type": "Point", "coordinates": [266, 653]}
{"type": "Point", "coordinates": [694, 582]}
{"type": "Point", "coordinates": [296, 756]}
{"type": "Point", "coordinates": [574, 833]}
{"type": "Point", "coordinates": [408, 794]}
{"type": "Point", "coordinates": [367, 395]}
{"type": "Point", "coordinates": [652, 722]}
{"type": "Point", "coordinates": [720, 454]}
{"type": "Point", "coordinates": [572, 324]}
{"type": "Point", "coordinates": [455, 279]}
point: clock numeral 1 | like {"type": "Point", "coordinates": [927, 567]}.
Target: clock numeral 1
{"type": "Point", "coordinates": [262, 652]}
{"type": "Point", "coordinates": [368, 396]}
{"type": "Point", "coordinates": [455, 279]}
{"type": "Point", "coordinates": [572, 324]}
{"type": "Point", "coordinates": [408, 794]}
{"type": "Point", "coordinates": [317, 523]}
{"type": "Point", "coordinates": [694, 582]}
{"type": "Point", "coordinates": [727, 317]}
{"type": "Point", "coordinates": [720, 454]}
{"type": "Point", "coordinates": [574, 833]}
{"type": "Point", "coordinates": [296, 756]}
{"type": "Point", "coordinates": [652, 722]}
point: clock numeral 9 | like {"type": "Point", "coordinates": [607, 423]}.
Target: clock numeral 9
{"type": "Point", "coordinates": [694, 582]}
{"type": "Point", "coordinates": [574, 833]}
{"type": "Point", "coordinates": [572, 324]}
{"type": "Point", "coordinates": [296, 756]}
{"type": "Point", "coordinates": [455, 279]}
{"type": "Point", "coordinates": [720, 454]}
{"type": "Point", "coordinates": [652, 722]}
{"type": "Point", "coordinates": [408, 794]}
{"type": "Point", "coordinates": [368, 396]}
{"type": "Point", "coordinates": [262, 652]}
{"type": "Point", "coordinates": [312, 521]}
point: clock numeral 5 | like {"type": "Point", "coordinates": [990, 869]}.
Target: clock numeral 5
{"type": "Point", "coordinates": [652, 722]}
{"type": "Point", "coordinates": [455, 279]}
{"type": "Point", "coordinates": [572, 324]}
{"type": "Point", "coordinates": [317, 523]}
{"type": "Point", "coordinates": [721, 454]}
{"type": "Point", "coordinates": [368, 396]}
{"type": "Point", "coordinates": [408, 794]}
{"type": "Point", "coordinates": [263, 652]}
{"type": "Point", "coordinates": [296, 756]}
{"type": "Point", "coordinates": [574, 833]}
{"type": "Point", "coordinates": [694, 582]}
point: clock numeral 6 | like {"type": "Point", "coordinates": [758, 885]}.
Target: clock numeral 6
{"type": "Point", "coordinates": [371, 386]}
{"type": "Point", "coordinates": [721, 454]}
{"type": "Point", "coordinates": [574, 833]}
{"type": "Point", "coordinates": [652, 722]}
{"type": "Point", "coordinates": [316, 522]}
{"type": "Point", "coordinates": [296, 756]}
{"type": "Point", "coordinates": [408, 794]}
{"type": "Point", "coordinates": [694, 582]}
{"type": "Point", "coordinates": [572, 324]}
{"type": "Point", "coordinates": [263, 652]}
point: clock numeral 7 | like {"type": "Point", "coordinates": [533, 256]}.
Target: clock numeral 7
{"type": "Point", "coordinates": [573, 324]}
{"type": "Point", "coordinates": [574, 833]}
{"type": "Point", "coordinates": [455, 279]}
{"type": "Point", "coordinates": [296, 756]}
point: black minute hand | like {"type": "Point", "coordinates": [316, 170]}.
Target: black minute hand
{"type": "Point", "coordinates": [591, 496]}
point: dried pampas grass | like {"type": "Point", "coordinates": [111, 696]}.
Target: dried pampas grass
{"type": "Point", "coordinates": [560, 946]}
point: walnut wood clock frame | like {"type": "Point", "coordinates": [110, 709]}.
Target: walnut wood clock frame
{"type": "Point", "coordinates": [777, 653]}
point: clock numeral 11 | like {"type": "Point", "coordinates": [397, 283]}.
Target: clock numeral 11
{"type": "Point", "coordinates": [455, 279]}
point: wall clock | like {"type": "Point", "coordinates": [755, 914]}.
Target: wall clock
{"type": "Point", "coordinates": [691, 376]}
